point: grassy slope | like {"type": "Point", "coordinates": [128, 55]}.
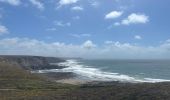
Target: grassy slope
{"type": "Point", "coordinates": [16, 83]}
{"type": "Point", "coordinates": [25, 86]}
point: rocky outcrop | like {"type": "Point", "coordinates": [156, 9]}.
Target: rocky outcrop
{"type": "Point", "coordinates": [32, 62]}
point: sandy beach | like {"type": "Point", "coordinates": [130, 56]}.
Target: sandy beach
{"type": "Point", "coordinates": [73, 81]}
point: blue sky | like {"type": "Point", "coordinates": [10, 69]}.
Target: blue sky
{"type": "Point", "coordinates": [86, 28]}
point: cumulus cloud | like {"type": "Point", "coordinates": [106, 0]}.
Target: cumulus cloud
{"type": "Point", "coordinates": [135, 19]}
{"type": "Point", "coordinates": [67, 2]}
{"type": "Point", "coordinates": [113, 15]}
{"type": "Point", "coordinates": [12, 2]}
{"type": "Point", "coordinates": [138, 37]}
{"type": "Point", "coordinates": [131, 51]}
{"type": "Point", "coordinates": [26, 46]}
{"type": "Point", "coordinates": [38, 4]}
{"type": "Point", "coordinates": [88, 45]}
{"type": "Point", "coordinates": [3, 30]}
{"type": "Point", "coordinates": [77, 8]}
{"type": "Point", "coordinates": [88, 49]}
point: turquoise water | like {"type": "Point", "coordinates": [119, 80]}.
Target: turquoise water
{"type": "Point", "coordinates": [156, 69]}
{"type": "Point", "coordinates": [117, 70]}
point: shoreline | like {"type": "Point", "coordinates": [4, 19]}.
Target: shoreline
{"type": "Point", "coordinates": [18, 84]}
{"type": "Point", "coordinates": [67, 75]}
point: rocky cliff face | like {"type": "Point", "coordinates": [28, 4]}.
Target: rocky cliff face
{"type": "Point", "coordinates": [32, 62]}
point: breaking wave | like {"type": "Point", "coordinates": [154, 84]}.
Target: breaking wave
{"type": "Point", "coordinates": [94, 74]}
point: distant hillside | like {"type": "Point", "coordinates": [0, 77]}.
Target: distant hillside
{"type": "Point", "coordinates": [32, 62]}
{"type": "Point", "coordinates": [19, 84]}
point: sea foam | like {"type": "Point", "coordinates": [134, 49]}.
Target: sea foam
{"type": "Point", "coordinates": [94, 74]}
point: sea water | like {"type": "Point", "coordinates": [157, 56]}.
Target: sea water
{"type": "Point", "coordinates": [117, 70]}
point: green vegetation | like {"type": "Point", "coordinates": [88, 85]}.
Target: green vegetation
{"type": "Point", "coordinates": [18, 84]}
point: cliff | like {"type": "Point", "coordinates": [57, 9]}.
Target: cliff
{"type": "Point", "coordinates": [32, 62]}
{"type": "Point", "coordinates": [19, 84]}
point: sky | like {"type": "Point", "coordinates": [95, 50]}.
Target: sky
{"type": "Point", "coordinates": [106, 29]}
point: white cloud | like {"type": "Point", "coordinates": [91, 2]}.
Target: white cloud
{"type": "Point", "coordinates": [94, 3]}
{"type": "Point", "coordinates": [62, 24]}
{"type": "Point", "coordinates": [26, 46]}
{"type": "Point", "coordinates": [167, 41]}
{"type": "Point", "coordinates": [117, 24]}
{"type": "Point", "coordinates": [12, 2]}
{"type": "Point", "coordinates": [108, 42]}
{"type": "Point", "coordinates": [77, 8]}
{"type": "Point", "coordinates": [51, 29]}
{"type": "Point", "coordinates": [113, 15]}
{"type": "Point", "coordinates": [88, 49]}
{"type": "Point", "coordinates": [112, 25]}
{"type": "Point", "coordinates": [130, 51]}
{"type": "Point", "coordinates": [3, 30]}
{"type": "Point", "coordinates": [86, 35]}
{"type": "Point", "coordinates": [135, 19]}
{"type": "Point", "coordinates": [138, 37]}
{"type": "Point", "coordinates": [88, 45]}
{"type": "Point", "coordinates": [67, 2]}
{"type": "Point", "coordinates": [38, 4]}
{"type": "Point", "coordinates": [80, 35]}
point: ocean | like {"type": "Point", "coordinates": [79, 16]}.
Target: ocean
{"type": "Point", "coordinates": [117, 70]}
